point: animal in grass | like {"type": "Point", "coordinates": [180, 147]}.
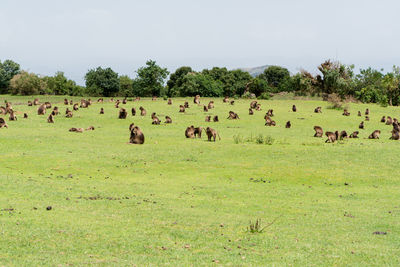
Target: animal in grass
{"type": "Point", "coordinates": [3, 123]}
{"type": "Point", "coordinates": [133, 111]}
{"type": "Point", "coordinates": [48, 104]}
{"type": "Point", "coordinates": [169, 101]}
{"type": "Point", "coordinates": [367, 111]}
{"type": "Point", "coordinates": [42, 109]}
{"type": "Point", "coordinates": [12, 117]}
{"type": "Point", "coordinates": [361, 126]}
{"type": "Point", "coordinates": [270, 113]}
{"type": "Point", "coordinates": [197, 131]}
{"type": "Point", "coordinates": [258, 107]}
{"type": "Point", "coordinates": [251, 112]}
{"type": "Point", "coordinates": [168, 119]}
{"type": "Point", "coordinates": [205, 108]}
{"type": "Point", "coordinates": [233, 115]}
{"type": "Point", "coordinates": [367, 118]}
{"type": "Point", "coordinates": [375, 134]}
{"type": "Point", "coordinates": [212, 134]}
{"type": "Point", "coordinates": [346, 112]}
{"type": "Point", "coordinates": [288, 125]}
{"type": "Point", "coordinates": [156, 120]}
{"type": "Point", "coordinates": [3, 110]}
{"type": "Point", "coordinates": [117, 103]}
{"type": "Point", "coordinates": [154, 98]}
{"type": "Point", "coordinates": [101, 110]}
{"type": "Point", "coordinates": [389, 120]}
{"type": "Point", "coordinates": [30, 103]}
{"type": "Point", "coordinates": [215, 119]}
{"type": "Point", "coordinates": [359, 113]}
{"type": "Point", "coordinates": [90, 128]}
{"type": "Point", "coordinates": [294, 109]}
{"type": "Point", "coordinates": [332, 137]}
{"type": "Point", "coordinates": [71, 102]}
{"type": "Point", "coordinates": [318, 131]}
{"type": "Point", "coordinates": [196, 100]}
{"type": "Point", "coordinates": [137, 136]}
{"type": "Point", "coordinates": [68, 114]}
{"type": "Point", "coordinates": [76, 130]}
{"type": "Point", "coordinates": [383, 119]}
{"type": "Point", "coordinates": [181, 109]}
{"type": "Point", "coordinates": [124, 101]}
{"type": "Point", "coordinates": [75, 107]}
{"type": "Point", "coordinates": [354, 134]}
{"type": "Point", "coordinates": [50, 119]}
{"type": "Point", "coordinates": [189, 132]}
{"type": "Point", "coordinates": [343, 135]}
{"type": "Point", "coordinates": [25, 115]}
{"type": "Point", "coordinates": [186, 104]}
{"type": "Point", "coordinates": [142, 111]}
{"type": "Point", "coordinates": [269, 121]}
{"type": "Point", "coordinates": [85, 103]}
{"type": "Point", "coordinates": [232, 102]}
{"type": "Point", "coordinates": [208, 118]}
{"type": "Point", "coordinates": [318, 110]}
{"type": "Point", "coordinates": [210, 105]}
{"type": "Point", "coordinates": [226, 99]}
{"type": "Point", "coordinates": [253, 104]}
{"type": "Point", "coordinates": [396, 126]}
{"type": "Point", "coordinates": [100, 100]}
{"type": "Point", "coordinates": [395, 135]}
{"type": "Point", "coordinates": [55, 111]}
{"type": "Point", "coordinates": [36, 101]}
{"type": "Point", "coordinates": [122, 113]}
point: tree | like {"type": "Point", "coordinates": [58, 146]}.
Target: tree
{"type": "Point", "coordinates": [277, 77]}
{"type": "Point", "coordinates": [240, 81]}
{"type": "Point", "coordinates": [258, 86]}
{"type": "Point", "coordinates": [201, 84]}
{"type": "Point", "coordinates": [336, 78]}
{"type": "Point", "coordinates": [26, 83]}
{"type": "Point", "coordinates": [390, 84]}
{"type": "Point", "coordinates": [150, 80]}
{"type": "Point", "coordinates": [7, 71]}
{"type": "Point", "coordinates": [174, 84]}
{"type": "Point", "coordinates": [60, 85]}
{"type": "Point", "coordinates": [126, 86]}
{"type": "Point", "coordinates": [102, 82]}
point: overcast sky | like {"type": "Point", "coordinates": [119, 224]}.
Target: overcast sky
{"type": "Point", "coordinates": [45, 36]}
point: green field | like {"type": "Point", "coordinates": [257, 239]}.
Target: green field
{"type": "Point", "coordinates": [188, 202]}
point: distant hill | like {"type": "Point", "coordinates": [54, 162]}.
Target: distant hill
{"type": "Point", "coordinates": [255, 71]}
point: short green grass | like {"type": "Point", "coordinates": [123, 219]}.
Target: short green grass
{"type": "Point", "coordinates": [188, 202]}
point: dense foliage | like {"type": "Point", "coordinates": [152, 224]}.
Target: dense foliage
{"type": "Point", "coordinates": [368, 86]}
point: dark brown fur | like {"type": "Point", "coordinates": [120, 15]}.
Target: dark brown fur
{"type": "Point", "coordinates": [137, 136]}
{"type": "Point", "coordinates": [211, 133]}
{"type": "Point", "coordinates": [288, 125]}
{"type": "Point", "coordinates": [122, 114]}
{"type": "Point", "coordinates": [318, 131]}
{"type": "Point", "coordinates": [215, 119]}
{"type": "Point", "coordinates": [375, 134]}
{"type": "Point", "coordinates": [354, 134]}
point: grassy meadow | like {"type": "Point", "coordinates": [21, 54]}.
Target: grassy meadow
{"type": "Point", "coordinates": [188, 202]}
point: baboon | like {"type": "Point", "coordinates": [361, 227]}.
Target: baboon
{"type": "Point", "coordinates": [181, 108]}
{"type": "Point", "coordinates": [375, 134]}
{"type": "Point", "coordinates": [75, 107]}
{"type": "Point", "coordinates": [361, 126]}
{"type": "Point", "coordinates": [101, 110]}
{"type": "Point", "coordinates": [76, 130]}
{"type": "Point", "coordinates": [137, 136]}
{"type": "Point", "coordinates": [233, 116]}
{"type": "Point", "coordinates": [3, 123]}
{"type": "Point", "coordinates": [359, 113]}
{"type": "Point", "coordinates": [55, 111]}
{"type": "Point", "coordinates": [156, 120]}
{"type": "Point", "coordinates": [294, 109]}
{"type": "Point", "coordinates": [205, 108]}
{"type": "Point", "coordinates": [251, 112]}
{"type": "Point", "coordinates": [48, 105]}
{"type": "Point", "coordinates": [189, 132]}
{"type": "Point", "coordinates": [354, 134]}
{"type": "Point", "coordinates": [12, 116]}
{"type": "Point", "coordinates": [50, 119]}
{"type": "Point", "coordinates": [196, 100]}
{"type": "Point", "coordinates": [100, 100]}
{"type": "Point", "coordinates": [288, 125]}
{"type": "Point", "coordinates": [112, 99]}
{"type": "Point", "coordinates": [366, 118]}
{"type": "Point", "coordinates": [396, 126]}
{"type": "Point", "coordinates": [269, 121]}
{"type": "Point", "coordinates": [25, 116]}
{"type": "Point", "coordinates": [66, 102]}
{"type": "Point", "coordinates": [170, 101]}
{"type": "Point", "coordinates": [389, 120]}
{"type": "Point", "coordinates": [137, 98]}
{"type": "Point", "coordinates": [232, 102]}
{"type": "Point", "coordinates": [197, 131]}
{"type": "Point", "coordinates": [3, 110]}
{"type": "Point", "coordinates": [208, 118]}
{"type": "Point", "coordinates": [124, 101]}
{"type": "Point", "coordinates": [346, 113]}
{"type": "Point", "coordinates": [168, 119]}
{"type": "Point", "coordinates": [215, 119]}
{"type": "Point", "coordinates": [30, 103]}
{"type": "Point", "coordinates": [211, 133]}
{"type": "Point", "coordinates": [90, 128]}
{"type": "Point", "coordinates": [36, 101]}
{"type": "Point", "coordinates": [42, 109]}
{"type": "Point", "coordinates": [142, 111]}
{"type": "Point", "coordinates": [318, 131]}
{"type": "Point", "coordinates": [226, 99]}
{"type": "Point", "coordinates": [343, 135]}
{"type": "Point", "coordinates": [133, 111]}
{"type": "Point", "coordinates": [153, 115]}
{"type": "Point", "coordinates": [122, 113]}
{"type": "Point", "coordinates": [154, 98]}
{"type": "Point", "coordinates": [71, 102]}
{"type": "Point", "coordinates": [318, 110]}
{"type": "Point", "coordinates": [395, 135]}
{"type": "Point", "coordinates": [211, 105]}
{"type": "Point", "coordinates": [367, 111]}
{"type": "Point", "coordinates": [68, 114]}
{"type": "Point", "coordinates": [395, 120]}
{"type": "Point", "coordinates": [383, 119]}
{"type": "Point", "coordinates": [117, 103]}
{"type": "Point", "coordinates": [253, 104]}
{"type": "Point", "coordinates": [258, 107]}
{"type": "Point", "coordinates": [270, 113]}
{"type": "Point", "coordinates": [332, 137]}
{"type": "Point", "coordinates": [186, 104]}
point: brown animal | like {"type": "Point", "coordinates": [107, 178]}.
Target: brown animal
{"type": "Point", "coordinates": [395, 135]}
{"type": "Point", "coordinates": [269, 121]}
{"type": "Point", "coordinates": [211, 133]}
{"type": "Point", "coordinates": [375, 134]}
{"type": "Point", "coordinates": [117, 103]}
{"type": "Point", "coordinates": [346, 113]}
{"type": "Point", "coordinates": [251, 112]}
{"type": "Point", "coordinates": [226, 99]}
{"type": "Point", "coordinates": [197, 131]}
{"type": "Point", "coordinates": [124, 101]}
{"type": "Point", "coordinates": [3, 123]}
{"type": "Point", "coordinates": [253, 104]}
{"type": "Point", "coordinates": [30, 103]}
{"type": "Point", "coordinates": [12, 116]}
{"type": "Point", "coordinates": [186, 104]}
{"type": "Point", "coordinates": [270, 113]}
{"type": "Point", "coordinates": [318, 110]}
{"type": "Point", "coordinates": [76, 130]}
{"type": "Point", "coordinates": [215, 119]}
{"type": "Point", "coordinates": [3, 110]}
{"type": "Point", "coordinates": [258, 107]}
{"type": "Point", "coordinates": [233, 116]}
{"type": "Point", "coordinates": [25, 116]}
{"type": "Point", "coordinates": [361, 126]}
{"type": "Point", "coordinates": [137, 136]}
{"type": "Point", "coordinates": [189, 132]}
{"type": "Point", "coordinates": [90, 128]}
{"type": "Point", "coordinates": [71, 102]}
{"type": "Point", "coordinates": [343, 135]}
{"type": "Point", "coordinates": [100, 100]}
{"type": "Point", "coordinates": [48, 104]}
{"type": "Point", "coordinates": [101, 110]}
{"type": "Point", "coordinates": [211, 105]}
{"type": "Point", "coordinates": [367, 111]}
{"type": "Point", "coordinates": [205, 108]}
{"type": "Point", "coordinates": [332, 137]}
{"type": "Point", "coordinates": [133, 111]}
{"type": "Point", "coordinates": [181, 108]}
{"type": "Point", "coordinates": [288, 125]}
{"type": "Point", "coordinates": [170, 101]}
{"type": "Point", "coordinates": [55, 111]}
{"type": "Point", "coordinates": [154, 98]}
{"type": "Point", "coordinates": [359, 113]}
{"type": "Point", "coordinates": [366, 118]}
{"type": "Point", "coordinates": [294, 109]}
{"type": "Point", "coordinates": [142, 111]}
{"type": "Point", "coordinates": [232, 102]}
{"type": "Point", "coordinates": [389, 120]}
{"type": "Point", "coordinates": [36, 101]}
{"type": "Point", "coordinates": [42, 109]}
{"type": "Point", "coordinates": [383, 119]}
{"type": "Point", "coordinates": [66, 102]}
{"type": "Point", "coordinates": [75, 107]}
{"type": "Point", "coordinates": [168, 119]}
{"type": "Point", "coordinates": [196, 100]}
{"type": "Point", "coordinates": [153, 115]}
{"type": "Point", "coordinates": [111, 99]}
{"type": "Point", "coordinates": [354, 134]}
{"type": "Point", "coordinates": [208, 118]}
{"type": "Point", "coordinates": [66, 111]}
{"type": "Point", "coordinates": [318, 131]}
{"type": "Point", "coordinates": [122, 113]}
{"type": "Point", "coordinates": [396, 126]}
{"type": "Point", "coordinates": [50, 119]}
{"type": "Point", "coordinates": [68, 114]}
{"type": "Point", "coordinates": [156, 121]}
{"type": "Point", "coordinates": [137, 98]}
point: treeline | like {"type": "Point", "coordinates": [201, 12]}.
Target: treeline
{"type": "Point", "coordinates": [369, 86]}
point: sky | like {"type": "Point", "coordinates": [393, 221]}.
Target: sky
{"type": "Point", "coordinates": [73, 36]}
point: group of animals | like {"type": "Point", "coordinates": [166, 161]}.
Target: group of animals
{"type": "Point", "coordinates": [137, 136]}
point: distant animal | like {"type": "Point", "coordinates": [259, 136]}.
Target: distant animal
{"type": "Point", "coordinates": [389, 120]}
{"type": "Point", "coordinates": [154, 98]}
{"type": "Point", "coordinates": [101, 110]}
{"type": "Point", "coordinates": [288, 125]}
{"type": "Point", "coordinates": [269, 121]}
{"type": "Point", "coordinates": [383, 119]}
{"type": "Point", "coordinates": [55, 111]}
{"type": "Point", "coordinates": [196, 100]}
{"type": "Point", "coordinates": [71, 102]}
{"type": "Point", "coordinates": [215, 119]}
{"type": "Point", "coordinates": [181, 108]}
{"type": "Point", "coordinates": [68, 113]}
{"type": "Point", "coordinates": [48, 104]}
{"type": "Point", "coordinates": [366, 118]}
{"type": "Point", "coordinates": [36, 101]}
{"type": "Point", "coordinates": [12, 116]}
{"type": "Point", "coordinates": [233, 115]}
{"type": "Point", "coordinates": [76, 130]}
{"type": "Point", "coordinates": [346, 113]}
{"type": "Point", "coordinates": [343, 135]}
{"type": "Point", "coordinates": [124, 101]}
{"type": "Point", "coordinates": [354, 134]}
{"type": "Point", "coordinates": [318, 110]}
{"type": "Point", "coordinates": [395, 135]}
{"type": "Point", "coordinates": [100, 100]}
{"type": "Point", "coordinates": [251, 112]}
{"type": "Point", "coordinates": [168, 119]}
{"type": "Point", "coordinates": [3, 123]}
{"type": "Point", "coordinates": [212, 134]}
{"type": "Point", "coordinates": [25, 116]}
{"type": "Point", "coordinates": [169, 101]}
{"type": "Point", "coordinates": [361, 126]}
{"type": "Point", "coordinates": [332, 137]}
{"type": "Point", "coordinates": [66, 101]}
{"type": "Point", "coordinates": [137, 136]}
{"type": "Point", "coordinates": [30, 103]}
{"type": "Point", "coordinates": [133, 111]}
{"type": "Point", "coordinates": [208, 118]}
{"type": "Point", "coordinates": [318, 131]}
{"type": "Point", "coordinates": [197, 131]}
{"type": "Point", "coordinates": [42, 109]}
{"type": "Point", "coordinates": [375, 134]}
{"type": "Point", "coordinates": [210, 105]}
{"type": "Point", "coordinates": [270, 113]}
{"type": "Point", "coordinates": [294, 109]}
{"type": "Point", "coordinates": [186, 104]}
{"type": "Point", "coordinates": [226, 99]}
{"type": "Point", "coordinates": [142, 111]}
{"type": "Point", "coordinates": [367, 111]}
{"type": "Point", "coordinates": [156, 120]}
{"type": "Point", "coordinates": [232, 102]}
{"type": "Point", "coordinates": [253, 104]}
{"type": "Point", "coordinates": [122, 114]}
{"type": "Point", "coordinates": [50, 119]}
{"type": "Point", "coordinates": [359, 113]}
{"type": "Point", "coordinates": [75, 107]}
{"type": "Point", "coordinates": [90, 128]}
{"type": "Point", "coordinates": [258, 107]}
{"type": "Point", "coordinates": [205, 108]}
{"type": "Point", "coordinates": [189, 132]}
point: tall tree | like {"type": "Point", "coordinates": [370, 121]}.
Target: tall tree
{"type": "Point", "coordinates": [150, 79]}
{"type": "Point", "coordinates": [390, 83]}
{"type": "Point", "coordinates": [7, 71]}
{"type": "Point", "coordinates": [102, 82]}
{"type": "Point", "coordinates": [176, 79]}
